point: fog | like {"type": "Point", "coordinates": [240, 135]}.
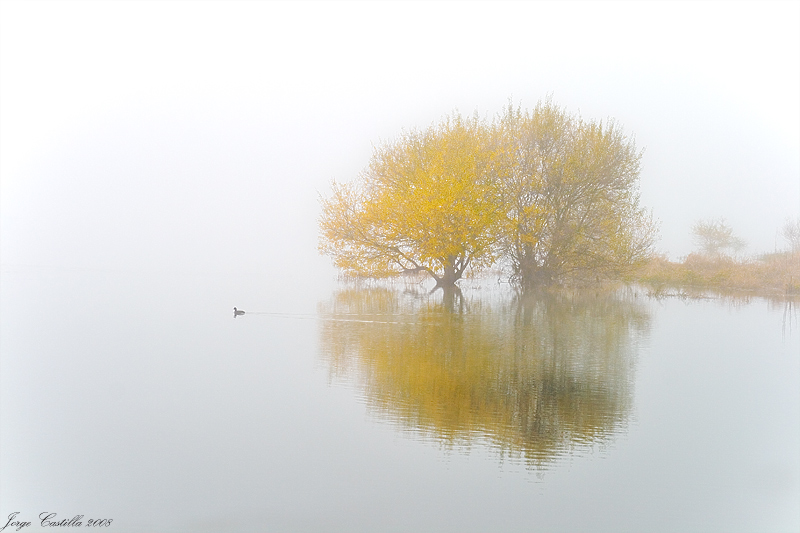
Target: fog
{"type": "Point", "coordinates": [161, 162]}
{"type": "Point", "coordinates": [198, 136]}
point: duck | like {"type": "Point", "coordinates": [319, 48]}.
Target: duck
{"type": "Point", "coordinates": [237, 312]}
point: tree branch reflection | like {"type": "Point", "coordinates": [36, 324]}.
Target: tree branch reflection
{"type": "Point", "coordinates": [535, 377]}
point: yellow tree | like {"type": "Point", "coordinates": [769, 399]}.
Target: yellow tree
{"type": "Point", "coordinates": [570, 190]}
{"type": "Point", "coordinates": [426, 203]}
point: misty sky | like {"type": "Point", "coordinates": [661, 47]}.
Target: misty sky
{"type": "Point", "coordinates": [196, 136]}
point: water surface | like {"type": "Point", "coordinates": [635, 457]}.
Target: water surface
{"type": "Point", "coordinates": [137, 396]}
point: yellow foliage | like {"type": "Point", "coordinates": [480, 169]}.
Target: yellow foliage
{"type": "Point", "coordinates": [570, 188]}
{"type": "Point", "coordinates": [426, 202]}
{"type": "Point", "coordinates": [552, 195]}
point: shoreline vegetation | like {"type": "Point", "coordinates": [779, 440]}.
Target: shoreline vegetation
{"type": "Point", "coordinates": [773, 274]}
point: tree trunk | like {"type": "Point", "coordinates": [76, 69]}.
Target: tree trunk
{"type": "Point", "coordinates": [533, 276]}
{"type": "Point", "coordinates": [450, 275]}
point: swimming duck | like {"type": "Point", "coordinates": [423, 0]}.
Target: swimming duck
{"type": "Point", "coordinates": [237, 312]}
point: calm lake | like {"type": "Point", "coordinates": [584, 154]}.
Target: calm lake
{"type": "Point", "coordinates": [137, 397]}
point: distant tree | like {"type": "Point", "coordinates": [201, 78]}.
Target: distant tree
{"type": "Point", "coordinates": [570, 190]}
{"type": "Point", "coordinates": [426, 203]}
{"type": "Point", "coordinates": [715, 236]}
{"type": "Point", "coordinates": [791, 232]}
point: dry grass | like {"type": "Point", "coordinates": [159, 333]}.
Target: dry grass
{"type": "Point", "coordinates": [774, 274]}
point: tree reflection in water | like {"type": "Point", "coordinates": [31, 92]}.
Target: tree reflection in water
{"type": "Point", "coordinates": [534, 377]}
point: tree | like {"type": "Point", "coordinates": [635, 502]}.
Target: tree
{"type": "Point", "coordinates": [791, 232]}
{"type": "Point", "coordinates": [426, 203]}
{"type": "Point", "coordinates": [552, 195]}
{"type": "Point", "coordinates": [570, 193]}
{"type": "Point", "coordinates": [715, 236]}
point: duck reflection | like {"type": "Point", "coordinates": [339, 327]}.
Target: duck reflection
{"type": "Point", "coordinates": [534, 377]}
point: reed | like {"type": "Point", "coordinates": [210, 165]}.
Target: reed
{"type": "Point", "coordinates": [776, 273]}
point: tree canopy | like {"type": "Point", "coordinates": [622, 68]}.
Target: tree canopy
{"type": "Point", "coordinates": [550, 195]}
{"type": "Point", "coordinates": [570, 189]}
{"type": "Point", "coordinates": [427, 202]}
